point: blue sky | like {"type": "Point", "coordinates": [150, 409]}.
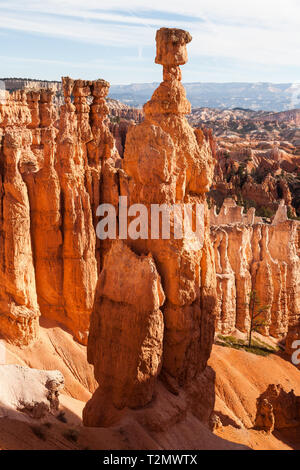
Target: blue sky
{"type": "Point", "coordinates": [233, 40]}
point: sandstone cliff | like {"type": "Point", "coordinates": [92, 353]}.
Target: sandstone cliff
{"type": "Point", "coordinates": [253, 255]}
{"type": "Point", "coordinates": [153, 308]}
{"type": "Point", "coordinates": [19, 310]}
{"type": "Point", "coordinates": [53, 176]}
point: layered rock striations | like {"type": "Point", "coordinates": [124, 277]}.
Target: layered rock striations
{"type": "Point", "coordinates": [45, 206]}
{"type": "Point", "coordinates": [252, 255]}
{"type": "Point", "coordinates": [53, 175]}
{"type": "Point", "coordinates": [165, 163]}
{"type": "Point", "coordinates": [19, 310]}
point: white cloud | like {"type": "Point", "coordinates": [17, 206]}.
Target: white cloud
{"type": "Point", "coordinates": [266, 11]}
{"type": "Point", "coordinates": [260, 31]}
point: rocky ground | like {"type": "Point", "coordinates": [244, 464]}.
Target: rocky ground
{"type": "Point", "coordinates": [239, 378]}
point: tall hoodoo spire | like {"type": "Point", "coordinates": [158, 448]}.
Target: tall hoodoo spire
{"type": "Point", "coordinates": [165, 162]}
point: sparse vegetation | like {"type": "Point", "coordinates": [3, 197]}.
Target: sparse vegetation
{"type": "Point", "coordinates": [260, 211]}
{"type": "Point", "coordinates": [39, 432]}
{"type": "Point", "coordinates": [259, 175]}
{"type": "Point", "coordinates": [114, 119]}
{"type": "Point", "coordinates": [256, 311]}
{"type": "Point", "coordinates": [62, 417]}
{"type": "Point", "coordinates": [246, 203]}
{"type": "Point", "coordinates": [265, 212]}
{"type": "Point", "coordinates": [291, 216]}
{"type": "Point", "coordinates": [47, 425]}
{"type": "Point", "coordinates": [242, 174]}
{"type": "Point", "coordinates": [257, 347]}
{"type": "Point", "coordinates": [71, 435]}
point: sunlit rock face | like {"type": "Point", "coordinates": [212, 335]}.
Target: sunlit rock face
{"type": "Point", "coordinates": [165, 162]}
{"type": "Point", "coordinates": [54, 173]}
{"type": "Point", "coordinates": [19, 309]}
{"type": "Point", "coordinates": [253, 255]}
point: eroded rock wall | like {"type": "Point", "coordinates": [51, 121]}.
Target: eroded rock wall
{"type": "Point", "coordinates": [54, 173]}
{"type": "Point", "coordinates": [19, 310]}
{"type": "Point", "coordinates": [257, 256]}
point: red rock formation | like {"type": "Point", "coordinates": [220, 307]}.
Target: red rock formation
{"type": "Point", "coordinates": [119, 111]}
{"type": "Point", "coordinates": [103, 158]}
{"type": "Point", "coordinates": [256, 256]}
{"type": "Point", "coordinates": [257, 157]}
{"type": "Point", "coordinates": [51, 184]}
{"type": "Point", "coordinates": [19, 309]}
{"type": "Point", "coordinates": [119, 131]}
{"type": "Point", "coordinates": [165, 162]}
{"type": "Point", "coordinates": [45, 207]}
{"type": "Point", "coordinates": [277, 409]}
{"type": "Point", "coordinates": [127, 327]}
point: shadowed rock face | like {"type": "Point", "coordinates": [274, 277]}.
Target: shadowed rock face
{"type": "Point", "coordinates": [165, 162]}
{"type": "Point", "coordinates": [126, 335]}
{"type": "Point", "coordinates": [277, 409]}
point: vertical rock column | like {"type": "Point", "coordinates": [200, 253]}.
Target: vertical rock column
{"type": "Point", "coordinates": [269, 280]}
{"type": "Point", "coordinates": [226, 288]}
{"type": "Point", "coordinates": [19, 309]}
{"type": "Point", "coordinates": [79, 239]}
{"type": "Point", "coordinates": [126, 335]}
{"type": "Point", "coordinates": [45, 206]}
{"type": "Point", "coordinates": [102, 180]}
{"type": "Point", "coordinates": [284, 246]}
{"type": "Point", "coordinates": [165, 162]}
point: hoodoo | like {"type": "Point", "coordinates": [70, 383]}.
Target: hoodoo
{"type": "Point", "coordinates": [165, 162]}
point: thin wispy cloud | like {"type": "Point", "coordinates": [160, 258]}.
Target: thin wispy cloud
{"type": "Point", "coordinates": [261, 33]}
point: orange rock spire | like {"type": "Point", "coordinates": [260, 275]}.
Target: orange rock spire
{"type": "Point", "coordinates": [165, 162]}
